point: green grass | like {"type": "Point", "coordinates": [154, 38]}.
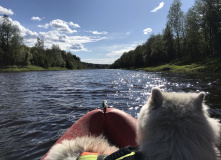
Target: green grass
{"type": "Point", "coordinates": [29, 68]}
{"type": "Point", "coordinates": [208, 65]}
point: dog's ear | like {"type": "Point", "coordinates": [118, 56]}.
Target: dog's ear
{"type": "Point", "coordinates": [156, 98]}
{"type": "Point", "coordinates": [198, 101]}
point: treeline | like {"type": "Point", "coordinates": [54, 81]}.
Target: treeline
{"type": "Point", "coordinates": [188, 36]}
{"type": "Point", "coordinates": [96, 66]}
{"type": "Point", "coordinates": [14, 52]}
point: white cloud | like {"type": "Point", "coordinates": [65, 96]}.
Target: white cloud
{"type": "Point", "coordinates": [120, 51]}
{"type": "Point", "coordinates": [61, 26]}
{"type": "Point", "coordinates": [99, 61]}
{"type": "Point", "coordinates": [36, 18]}
{"type": "Point", "coordinates": [6, 11]}
{"type": "Point", "coordinates": [28, 35]}
{"type": "Point", "coordinates": [86, 39]}
{"type": "Point", "coordinates": [159, 7]}
{"type": "Point", "coordinates": [77, 46]}
{"type": "Point", "coordinates": [66, 41]}
{"type": "Point", "coordinates": [147, 30]}
{"type": "Point", "coordinates": [44, 26]}
{"type": "Point", "coordinates": [74, 25]}
{"type": "Point", "coordinates": [96, 32]}
{"type": "Point", "coordinates": [25, 33]}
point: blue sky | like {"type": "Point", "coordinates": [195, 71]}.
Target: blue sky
{"type": "Point", "coordinates": [97, 31]}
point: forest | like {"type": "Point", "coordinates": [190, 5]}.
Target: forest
{"type": "Point", "coordinates": [13, 52]}
{"type": "Point", "coordinates": [190, 37]}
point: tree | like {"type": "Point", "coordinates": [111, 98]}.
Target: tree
{"type": "Point", "coordinates": [210, 22]}
{"type": "Point", "coordinates": [14, 52]}
{"type": "Point", "coordinates": [10, 41]}
{"type": "Point", "coordinates": [157, 52]}
{"type": "Point", "coordinates": [15, 49]}
{"type": "Point", "coordinates": [194, 42]}
{"type": "Point", "coordinates": [138, 54]}
{"type": "Point", "coordinates": [73, 62]}
{"type": "Point", "coordinates": [6, 30]}
{"type": "Point", "coordinates": [175, 21]}
{"type": "Point", "coordinates": [38, 54]}
{"type": "Point", "coordinates": [39, 44]}
{"type": "Point", "coordinates": [212, 18]}
{"type": "Point", "coordinates": [58, 61]}
{"type": "Point", "coordinates": [168, 44]}
{"type": "Point", "coordinates": [147, 50]}
{"type": "Point", "coordinates": [196, 33]}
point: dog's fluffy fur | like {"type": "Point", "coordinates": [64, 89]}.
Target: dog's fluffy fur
{"type": "Point", "coordinates": [176, 126]}
{"type": "Point", "coordinates": [71, 149]}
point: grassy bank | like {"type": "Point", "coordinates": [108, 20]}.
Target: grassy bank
{"type": "Point", "coordinates": [209, 65]}
{"type": "Point", "coordinates": [29, 68]}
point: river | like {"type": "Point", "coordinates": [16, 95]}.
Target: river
{"type": "Point", "coordinates": [36, 108]}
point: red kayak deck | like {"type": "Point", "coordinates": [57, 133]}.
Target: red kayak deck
{"type": "Point", "coordinates": [118, 126]}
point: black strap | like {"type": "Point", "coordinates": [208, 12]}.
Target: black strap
{"type": "Point", "coordinates": [124, 151]}
{"type": "Point", "coordinates": [101, 156]}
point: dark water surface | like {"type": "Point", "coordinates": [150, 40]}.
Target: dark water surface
{"type": "Point", "coordinates": [36, 108]}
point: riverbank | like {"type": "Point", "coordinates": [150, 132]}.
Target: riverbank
{"type": "Point", "coordinates": [207, 66]}
{"type": "Point", "coordinates": [37, 68]}
{"type": "Point", "coordinates": [29, 68]}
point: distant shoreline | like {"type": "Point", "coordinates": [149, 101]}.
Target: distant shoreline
{"type": "Point", "coordinates": [38, 68]}
{"type": "Point", "coordinates": [207, 66]}
{"type": "Point", "coordinates": [29, 68]}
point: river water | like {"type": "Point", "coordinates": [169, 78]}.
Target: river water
{"type": "Point", "coordinates": [36, 108]}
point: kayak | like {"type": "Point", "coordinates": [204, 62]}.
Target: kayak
{"type": "Point", "coordinates": [117, 126]}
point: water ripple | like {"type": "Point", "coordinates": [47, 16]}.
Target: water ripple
{"type": "Point", "coordinates": [36, 108]}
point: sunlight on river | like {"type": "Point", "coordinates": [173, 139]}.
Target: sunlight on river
{"type": "Point", "coordinates": [37, 107]}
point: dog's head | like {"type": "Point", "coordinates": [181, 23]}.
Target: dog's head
{"type": "Point", "coordinates": [168, 109]}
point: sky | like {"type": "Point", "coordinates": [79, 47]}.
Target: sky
{"type": "Point", "coordinates": [97, 31]}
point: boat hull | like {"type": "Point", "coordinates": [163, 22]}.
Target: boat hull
{"type": "Point", "coordinates": [118, 126]}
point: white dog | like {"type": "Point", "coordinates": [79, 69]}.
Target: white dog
{"type": "Point", "coordinates": [176, 126]}
{"type": "Point", "coordinates": [171, 126]}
